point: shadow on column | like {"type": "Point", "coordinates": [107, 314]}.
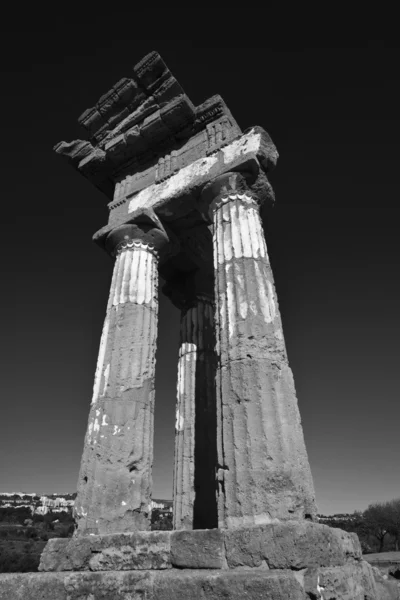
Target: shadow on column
{"type": "Point", "coordinates": [205, 512]}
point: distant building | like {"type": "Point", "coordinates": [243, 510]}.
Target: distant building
{"type": "Point", "coordinates": [162, 505]}
{"type": "Point", "coordinates": [38, 504]}
{"type": "Point", "coordinates": [41, 505]}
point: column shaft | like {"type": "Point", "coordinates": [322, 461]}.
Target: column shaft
{"type": "Point", "coordinates": [195, 505]}
{"type": "Point", "coordinates": [114, 487]}
{"type": "Point", "coordinates": [264, 472]}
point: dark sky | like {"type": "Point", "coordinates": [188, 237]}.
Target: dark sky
{"type": "Point", "coordinates": [333, 239]}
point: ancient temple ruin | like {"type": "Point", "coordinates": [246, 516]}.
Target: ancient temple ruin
{"type": "Point", "coordinates": [187, 191]}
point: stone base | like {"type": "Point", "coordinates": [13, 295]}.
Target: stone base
{"type": "Point", "coordinates": [279, 561]}
{"type": "Point", "coordinates": [352, 582]}
{"type": "Point", "coordinates": [285, 545]}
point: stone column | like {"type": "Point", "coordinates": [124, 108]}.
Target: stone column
{"type": "Point", "coordinates": [115, 482]}
{"type": "Point", "coordinates": [194, 486]}
{"type": "Point", "coordinates": [263, 470]}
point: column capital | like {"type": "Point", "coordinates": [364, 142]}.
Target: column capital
{"type": "Point", "coordinates": [149, 234]}
{"type": "Point", "coordinates": [234, 186]}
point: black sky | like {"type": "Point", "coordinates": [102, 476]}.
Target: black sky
{"type": "Point", "coordinates": [333, 239]}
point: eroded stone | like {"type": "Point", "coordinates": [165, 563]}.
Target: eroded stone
{"type": "Point", "coordinates": [135, 585]}
{"type": "Point", "coordinates": [198, 549]}
{"type": "Point", "coordinates": [264, 472]}
{"type": "Point", "coordinates": [119, 552]}
{"type": "Point", "coordinates": [32, 586]}
{"type": "Point", "coordinates": [353, 581]}
{"type": "Point", "coordinates": [289, 545]}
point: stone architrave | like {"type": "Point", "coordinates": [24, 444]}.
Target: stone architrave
{"type": "Point", "coordinates": [194, 483]}
{"type": "Point", "coordinates": [114, 487]}
{"type": "Point", "coordinates": [263, 469]}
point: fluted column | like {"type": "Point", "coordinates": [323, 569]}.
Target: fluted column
{"type": "Point", "coordinates": [263, 472]}
{"type": "Point", "coordinates": [194, 485]}
{"type": "Point", "coordinates": [115, 481]}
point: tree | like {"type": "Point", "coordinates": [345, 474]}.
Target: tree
{"type": "Point", "coordinates": [393, 511]}
{"type": "Point", "coordinates": [160, 521]}
{"type": "Point", "coordinates": [378, 520]}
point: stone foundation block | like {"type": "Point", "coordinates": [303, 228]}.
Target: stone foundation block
{"type": "Point", "coordinates": [290, 545]}
{"type": "Point", "coordinates": [32, 586]}
{"type": "Point", "coordinates": [285, 545]}
{"type": "Point", "coordinates": [110, 552]}
{"type": "Point", "coordinates": [353, 581]}
{"type": "Point", "coordinates": [198, 549]}
{"type": "Point", "coordinates": [258, 584]}
{"type": "Point", "coordinates": [114, 585]}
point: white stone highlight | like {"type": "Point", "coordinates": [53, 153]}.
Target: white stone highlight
{"type": "Point", "coordinates": [247, 143]}
{"type": "Point", "coordinates": [106, 376]}
{"type": "Point", "coordinates": [263, 296]}
{"type": "Point", "coordinates": [186, 348]}
{"type": "Point", "coordinates": [320, 589]}
{"type": "Point", "coordinates": [230, 301]}
{"type": "Point", "coordinates": [238, 232]}
{"type": "Point", "coordinates": [100, 360]}
{"type": "Point", "coordinates": [136, 276]}
{"type": "Point", "coordinates": [162, 191]}
{"type": "Point", "coordinates": [179, 421]}
{"type": "Point", "coordinates": [158, 192]}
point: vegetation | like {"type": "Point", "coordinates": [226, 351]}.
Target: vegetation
{"type": "Point", "coordinates": [378, 527]}
{"type": "Point", "coordinates": [161, 520]}
{"type": "Point", "coordinates": [23, 536]}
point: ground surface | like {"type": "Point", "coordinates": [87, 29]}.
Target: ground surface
{"type": "Point", "coordinates": [382, 557]}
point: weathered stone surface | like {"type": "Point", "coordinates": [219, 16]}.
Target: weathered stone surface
{"type": "Point", "coordinates": [388, 588]}
{"type": "Point", "coordinates": [290, 545]}
{"type": "Point", "coordinates": [198, 549]}
{"type": "Point", "coordinates": [135, 585]}
{"type": "Point", "coordinates": [217, 585]}
{"type": "Point", "coordinates": [128, 585]}
{"type": "Point", "coordinates": [264, 473]}
{"type": "Point", "coordinates": [145, 118]}
{"type": "Point", "coordinates": [114, 487]}
{"type": "Point", "coordinates": [113, 552]}
{"type": "Point", "coordinates": [32, 586]}
{"type": "Point", "coordinates": [193, 168]}
{"type": "Point", "coordinates": [354, 581]}
{"type": "Point", "coordinates": [286, 545]}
